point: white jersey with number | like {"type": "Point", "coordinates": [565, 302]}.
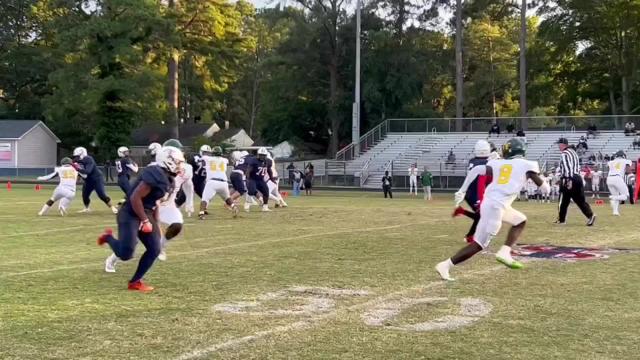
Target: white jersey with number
{"type": "Point", "coordinates": [68, 176]}
{"type": "Point", "coordinates": [509, 177]}
{"type": "Point", "coordinates": [216, 167]}
{"type": "Point", "coordinates": [618, 166]}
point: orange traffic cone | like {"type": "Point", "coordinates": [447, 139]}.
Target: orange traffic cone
{"type": "Point", "coordinates": [38, 187]}
{"type": "Point", "coordinates": [8, 185]}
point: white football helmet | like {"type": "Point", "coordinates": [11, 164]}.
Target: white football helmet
{"type": "Point", "coordinates": [236, 155]}
{"type": "Point", "coordinates": [263, 151]}
{"type": "Point", "coordinates": [244, 153]}
{"type": "Point", "coordinates": [205, 149]}
{"type": "Point", "coordinates": [482, 149]}
{"type": "Point", "coordinates": [170, 158]}
{"type": "Point", "coordinates": [80, 152]}
{"type": "Point", "coordinates": [123, 151]}
{"type": "Point", "coordinates": [154, 148]}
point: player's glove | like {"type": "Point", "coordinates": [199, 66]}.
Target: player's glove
{"type": "Point", "coordinates": [459, 197]}
{"type": "Point", "coordinates": [146, 226]}
{"type": "Point", "coordinates": [75, 165]}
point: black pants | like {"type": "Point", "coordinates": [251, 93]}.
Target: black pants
{"type": "Point", "coordinates": [91, 185]}
{"type": "Point", "coordinates": [632, 191]}
{"type": "Point", "coordinates": [387, 190]}
{"type": "Point", "coordinates": [573, 189]}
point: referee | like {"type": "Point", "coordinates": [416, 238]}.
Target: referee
{"type": "Point", "coordinates": [571, 185]}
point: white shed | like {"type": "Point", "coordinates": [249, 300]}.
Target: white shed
{"type": "Point", "coordinates": [27, 144]}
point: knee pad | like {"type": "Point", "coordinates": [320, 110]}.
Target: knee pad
{"type": "Point", "coordinates": [50, 202]}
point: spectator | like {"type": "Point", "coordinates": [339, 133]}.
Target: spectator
{"type": "Point", "coordinates": [495, 129]}
{"type": "Point", "coordinates": [387, 182]}
{"type": "Point", "coordinates": [451, 159]}
{"type": "Point", "coordinates": [308, 179]}
{"type": "Point", "coordinates": [599, 157]}
{"type": "Point", "coordinates": [511, 128]}
{"type": "Point", "coordinates": [607, 157]}
{"type": "Point", "coordinates": [636, 142]}
{"type": "Point", "coordinates": [582, 143]}
{"type": "Point", "coordinates": [291, 168]}
{"type": "Point", "coordinates": [108, 175]}
{"type": "Point", "coordinates": [592, 130]}
{"type": "Point", "coordinates": [427, 181]}
{"type": "Point", "coordinates": [522, 135]}
{"type": "Point", "coordinates": [296, 177]}
{"type": "Point", "coordinates": [629, 128]}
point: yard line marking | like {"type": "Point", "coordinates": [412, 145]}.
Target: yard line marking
{"type": "Point", "coordinates": [313, 321]}
{"type": "Point", "coordinates": [224, 247]}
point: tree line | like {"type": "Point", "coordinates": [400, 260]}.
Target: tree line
{"type": "Point", "coordinates": [94, 70]}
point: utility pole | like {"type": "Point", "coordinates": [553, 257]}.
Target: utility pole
{"type": "Point", "coordinates": [355, 126]}
{"type": "Point", "coordinates": [523, 64]}
{"type": "Point", "coordinates": [459, 73]}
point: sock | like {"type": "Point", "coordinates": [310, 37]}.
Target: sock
{"type": "Point", "coordinates": [504, 252]}
{"type": "Point", "coordinates": [44, 209]}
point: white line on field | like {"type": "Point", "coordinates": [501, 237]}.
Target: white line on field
{"type": "Point", "coordinates": [194, 354]}
{"type": "Point", "coordinates": [222, 247]}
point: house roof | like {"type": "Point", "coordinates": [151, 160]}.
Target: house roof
{"type": "Point", "coordinates": [17, 129]}
{"type": "Point", "coordinates": [159, 133]}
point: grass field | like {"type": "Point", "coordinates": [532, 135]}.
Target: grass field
{"type": "Point", "coordinates": [274, 286]}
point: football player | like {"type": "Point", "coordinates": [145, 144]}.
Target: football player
{"type": "Point", "coordinates": [619, 191]}
{"type": "Point", "coordinates": [274, 189]}
{"type": "Point", "coordinates": [93, 179]}
{"type": "Point", "coordinates": [596, 177]}
{"type": "Point", "coordinates": [508, 176]}
{"type": "Point", "coordinates": [555, 185]}
{"type": "Point", "coordinates": [199, 174]}
{"type": "Point", "coordinates": [241, 160]}
{"type": "Point", "coordinates": [217, 183]}
{"type": "Point", "coordinates": [473, 197]}
{"type": "Point", "coordinates": [137, 219]}
{"type": "Point", "coordinates": [152, 150]}
{"type": "Point", "coordinates": [66, 189]}
{"type": "Point", "coordinates": [125, 167]}
{"type": "Point", "coordinates": [259, 168]}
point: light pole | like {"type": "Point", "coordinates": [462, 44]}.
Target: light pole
{"type": "Point", "coordinates": [355, 127]}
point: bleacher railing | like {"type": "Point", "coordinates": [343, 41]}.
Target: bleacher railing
{"type": "Point", "coordinates": [483, 124]}
{"type": "Point", "coordinates": [367, 141]}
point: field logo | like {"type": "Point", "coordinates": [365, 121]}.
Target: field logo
{"type": "Point", "coordinates": [566, 253]}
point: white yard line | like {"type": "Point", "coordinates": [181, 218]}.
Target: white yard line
{"type": "Point", "coordinates": [313, 321]}
{"type": "Point", "coordinates": [231, 246]}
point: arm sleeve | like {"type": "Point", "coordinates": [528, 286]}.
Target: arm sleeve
{"type": "Point", "coordinates": [48, 177]}
{"type": "Point", "coordinates": [472, 175]}
{"type": "Point", "coordinates": [88, 167]}
{"type": "Point", "coordinates": [133, 167]}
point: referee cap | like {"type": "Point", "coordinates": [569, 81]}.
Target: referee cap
{"type": "Point", "coordinates": [563, 140]}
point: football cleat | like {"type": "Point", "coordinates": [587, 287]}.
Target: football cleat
{"type": "Point", "coordinates": [85, 210]}
{"type": "Point", "coordinates": [139, 286]}
{"type": "Point", "coordinates": [103, 238]}
{"type": "Point", "coordinates": [443, 270]}
{"type": "Point", "coordinates": [591, 220]}
{"type": "Point", "coordinates": [202, 215]}
{"type": "Point", "coordinates": [110, 263]}
{"type": "Point", "coordinates": [247, 207]}
{"type": "Point", "coordinates": [265, 208]}
{"type": "Point", "coordinates": [509, 262]}
{"type": "Point", "coordinates": [459, 211]}
{"type": "Point", "coordinates": [162, 256]}
{"type": "Point", "coordinates": [62, 211]}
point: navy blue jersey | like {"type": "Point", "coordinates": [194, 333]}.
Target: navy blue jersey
{"type": "Point", "coordinates": [475, 193]}
{"type": "Point", "coordinates": [198, 165]}
{"type": "Point", "coordinates": [260, 168]}
{"type": "Point", "coordinates": [123, 170]}
{"type": "Point", "coordinates": [243, 163]}
{"type": "Point", "coordinates": [159, 181]}
{"type": "Point", "coordinates": [88, 167]}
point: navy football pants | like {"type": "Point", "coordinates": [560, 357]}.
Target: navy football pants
{"type": "Point", "coordinates": [91, 185]}
{"type": "Point", "coordinates": [129, 234]}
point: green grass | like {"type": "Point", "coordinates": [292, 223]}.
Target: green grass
{"type": "Point", "coordinates": [57, 303]}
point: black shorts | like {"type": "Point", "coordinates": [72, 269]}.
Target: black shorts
{"type": "Point", "coordinates": [238, 183]}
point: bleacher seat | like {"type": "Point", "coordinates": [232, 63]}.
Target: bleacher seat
{"type": "Point", "coordinates": [397, 151]}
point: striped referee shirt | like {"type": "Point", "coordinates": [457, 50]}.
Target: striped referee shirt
{"type": "Point", "coordinates": [569, 163]}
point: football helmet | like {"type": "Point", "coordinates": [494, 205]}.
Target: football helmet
{"type": "Point", "coordinates": [66, 161]}
{"type": "Point", "coordinates": [482, 149]}
{"type": "Point", "coordinates": [173, 142]}
{"type": "Point", "coordinates": [79, 152]}
{"type": "Point", "coordinates": [123, 151]}
{"type": "Point", "coordinates": [514, 147]}
{"type": "Point", "coordinates": [216, 150]}
{"type": "Point", "coordinates": [170, 158]}
{"type": "Point", "coordinates": [620, 154]}
{"type": "Point", "coordinates": [205, 149]}
{"type": "Point", "coordinates": [154, 148]}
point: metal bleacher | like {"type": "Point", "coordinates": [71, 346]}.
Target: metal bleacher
{"type": "Point", "coordinates": [397, 151]}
